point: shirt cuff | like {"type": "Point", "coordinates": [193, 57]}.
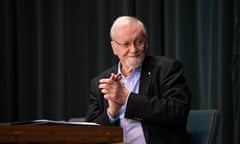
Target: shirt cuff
{"type": "Point", "coordinates": [112, 119]}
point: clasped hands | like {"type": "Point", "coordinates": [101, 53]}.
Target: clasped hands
{"type": "Point", "coordinates": [114, 92]}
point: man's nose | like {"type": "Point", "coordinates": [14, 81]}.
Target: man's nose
{"type": "Point", "coordinates": [133, 48]}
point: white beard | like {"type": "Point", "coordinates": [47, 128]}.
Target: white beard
{"type": "Point", "coordinates": [133, 63]}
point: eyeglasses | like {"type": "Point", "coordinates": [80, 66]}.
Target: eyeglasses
{"type": "Point", "coordinates": [137, 43]}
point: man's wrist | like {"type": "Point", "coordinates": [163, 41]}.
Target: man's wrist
{"type": "Point", "coordinates": [112, 114]}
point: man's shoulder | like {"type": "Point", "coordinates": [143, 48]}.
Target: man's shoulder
{"type": "Point", "coordinates": [106, 72]}
{"type": "Point", "coordinates": [162, 60]}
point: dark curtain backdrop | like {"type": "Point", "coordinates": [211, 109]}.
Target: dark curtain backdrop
{"type": "Point", "coordinates": [50, 49]}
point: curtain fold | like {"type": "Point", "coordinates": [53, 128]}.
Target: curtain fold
{"type": "Point", "coordinates": [235, 72]}
{"type": "Point", "coordinates": [50, 50]}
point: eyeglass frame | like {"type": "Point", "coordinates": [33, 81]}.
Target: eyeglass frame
{"type": "Point", "coordinates": [142, 43]}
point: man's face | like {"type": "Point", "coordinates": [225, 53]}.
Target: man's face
{"type": "Point", "coordinates": [130, 44]}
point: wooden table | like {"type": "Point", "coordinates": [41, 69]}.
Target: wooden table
{"type": "Point", "coordinates": [60, 134]}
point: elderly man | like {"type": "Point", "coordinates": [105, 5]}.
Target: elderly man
{"type": "Point", "coordinates": [146, 95]}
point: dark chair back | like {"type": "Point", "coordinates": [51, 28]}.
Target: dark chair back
{"type": "Point", "coordinates": [203, 126]}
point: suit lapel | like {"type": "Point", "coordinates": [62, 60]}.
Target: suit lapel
{"type": "Point", "coordinates": [146, 76]}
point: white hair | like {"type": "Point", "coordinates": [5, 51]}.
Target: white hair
{"type": "Point", "coordinates": [125, 20]}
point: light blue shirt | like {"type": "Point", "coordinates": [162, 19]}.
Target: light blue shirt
{"type": "Point", "coordinates": [132, 129]}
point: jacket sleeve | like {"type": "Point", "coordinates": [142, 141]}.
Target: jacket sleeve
{"type": "Point", "coordinates": [97, 106]}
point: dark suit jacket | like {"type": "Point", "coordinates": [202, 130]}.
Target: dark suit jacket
{"type": "Point", "coordinates": [162, 105]}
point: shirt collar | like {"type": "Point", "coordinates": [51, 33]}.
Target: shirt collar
{"type": "Point", "coordinates": [135, 71]}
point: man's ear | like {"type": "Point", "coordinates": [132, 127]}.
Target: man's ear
{"type": "Point", "coordinates": [146, 45]}
{"type": "Point", "coordinates": [114, 48]}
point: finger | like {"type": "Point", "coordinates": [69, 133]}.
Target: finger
{"type": "Point", "coordinates": [119, 76]}
{"type": "Point", "coordinates": [105, 86]}
{"type": "Point", "coordinates": [115, 77]}
{"type": "Point", "coordinates": [112, 76]}
{"type": "Point", "coordinates": [107, 81]}
{"type": "Point", "coordinates": [103, 91]}
{"type": "Point", "coordinates": [106, 97]}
